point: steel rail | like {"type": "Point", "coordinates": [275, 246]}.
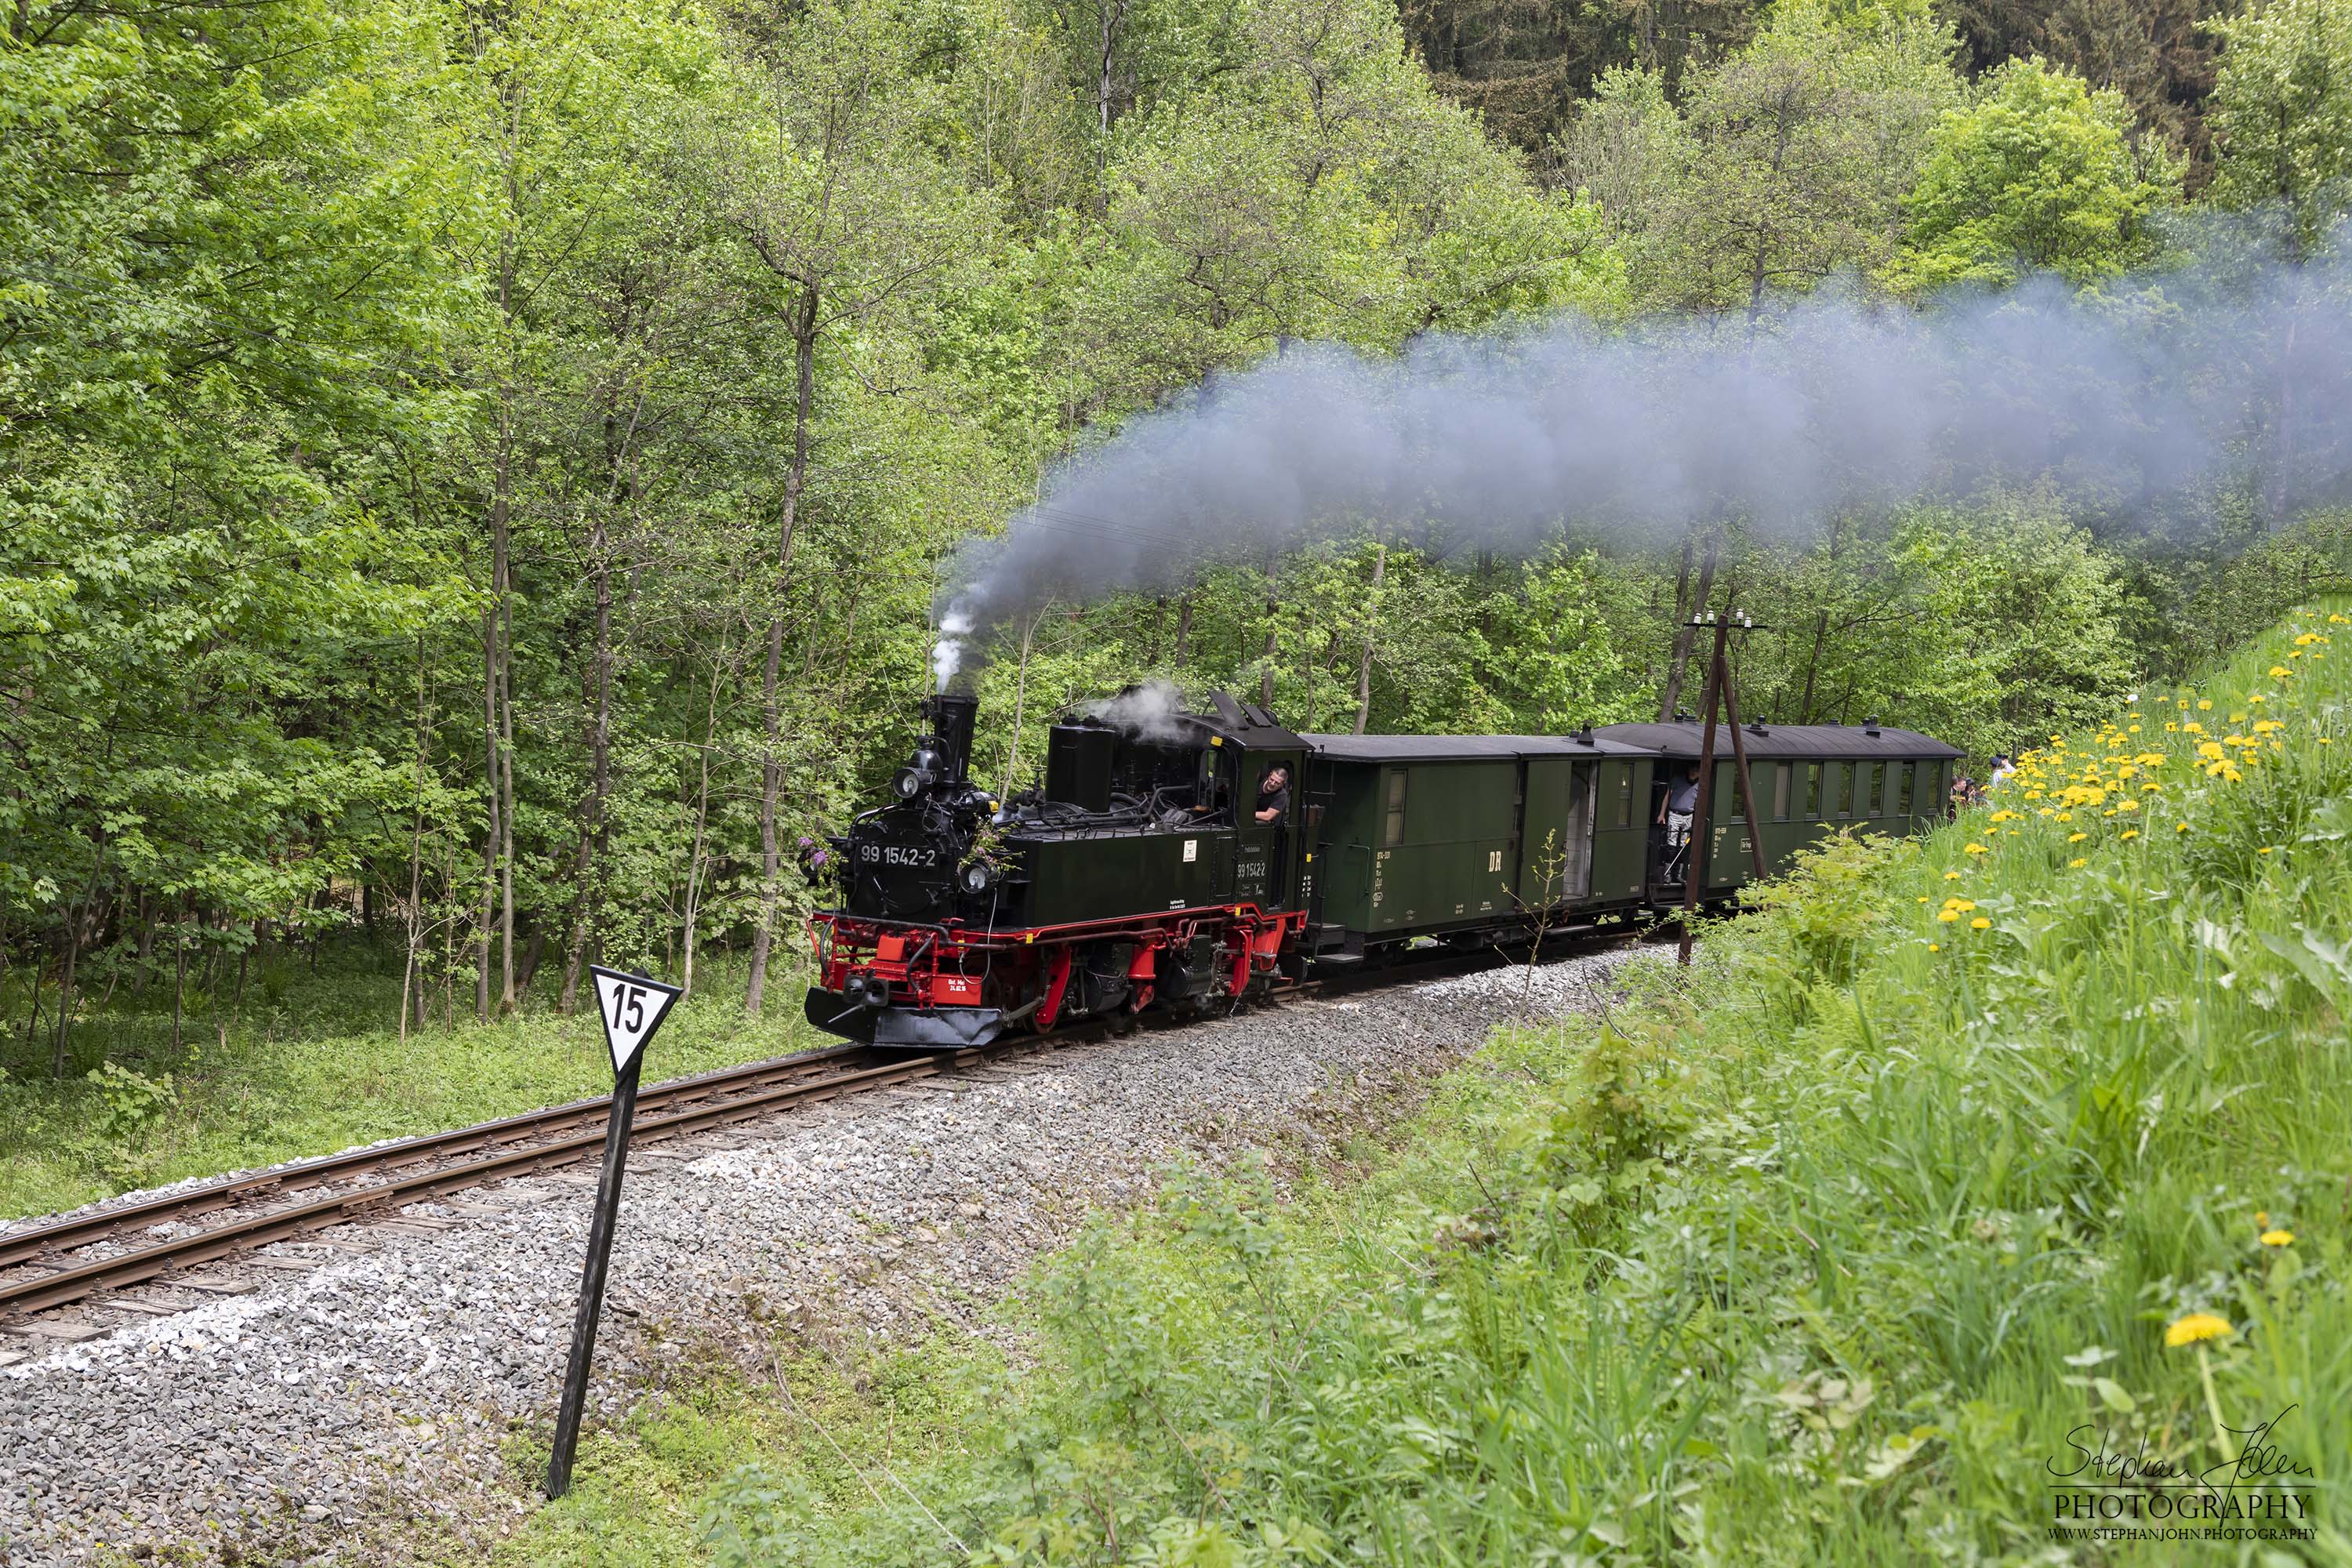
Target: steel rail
{"type": "Point", "coordinates": [149, 1263]}
{"type": "Point", "coordinates": [100, 1225]}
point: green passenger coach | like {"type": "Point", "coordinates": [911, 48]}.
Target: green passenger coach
{"type": "Point", "coordinates": [1446, 836]}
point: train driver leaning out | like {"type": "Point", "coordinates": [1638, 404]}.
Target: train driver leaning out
{"type": "Point", "coordinates": [1273, 795]}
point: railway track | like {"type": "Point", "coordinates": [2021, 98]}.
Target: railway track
{"type": "Point", "coordinates": [42, 1267]}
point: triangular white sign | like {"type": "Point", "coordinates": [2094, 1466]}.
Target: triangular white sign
{"type": "Point", "coordinates": [632, 1007]}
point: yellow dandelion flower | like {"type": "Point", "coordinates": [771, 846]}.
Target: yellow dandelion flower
{"type": "Point", "coordinates": [1935, 947]}
{"type": "Point", "coordinates": [2181, 827]}
{"type": "Point", "coordinates": [1925, 899]}
{"type": "Point", "coordinates": [1975, 849]}
{"type": "Point", "coordinates": [2078, 863]}
{"type": "Point", "coordinates": [1947, 916]}
{"type": "Point", "coordinates": [2204, 705]}
{"type": "Point", "coordinates": [1951, 876]}
{"type": "Point", "coordinates": [2266, 849]}
{"type": "Point", "coordinates": [2152, 785]}
{"type": "Point", "coordinates": [1981, 924]}
{"type": "Point", "coordinates": [2077, 838]}
{"type": "Point", "coordinates": [2196, 1327]}
{"type": "Point", "coordinates": [2279, 672]}
{"type": "Point", "coordinates": [2278, 1237]}
{"type": "Point", "coordinates": [2131, 833]}
{"type": "Point", "coordinates": [2126, 805]}
{"type": "Point", "coordinates": [2261, 1219]}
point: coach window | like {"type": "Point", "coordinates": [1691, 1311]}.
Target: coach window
{"type": "Point", "coordinates": [1781, 771]}
{"type": "Point", "coordinates": [1812, 789]}
{"type": "Point", "coordinates": [1393, 832]}
{"type": "Point", "coordinates": [1844, 787]}
{"type": "Point", "coordinates": [1624, 816]}
{"type": "Point", "coordinates": [1903, 790]}
{"type": "Point", "coordinates": [1878, 789]}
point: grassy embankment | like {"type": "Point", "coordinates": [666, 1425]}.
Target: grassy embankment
{"type": "Point", "coordinates": [1827, 1256]}
{"type": "Point", "coordinates": [306, 1063]}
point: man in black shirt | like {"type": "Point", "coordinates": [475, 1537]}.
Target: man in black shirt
{"type": "Point", "coordinates": [1273, 795]}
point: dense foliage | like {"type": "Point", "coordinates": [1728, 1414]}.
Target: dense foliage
{"type": "Point", "coordinates": [1964, 1159]}
{"type": "Point", "coordinates": [475, 475]}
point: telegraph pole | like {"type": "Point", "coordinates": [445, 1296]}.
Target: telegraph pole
{"type": "Point", "coordinates": [1717, 693]}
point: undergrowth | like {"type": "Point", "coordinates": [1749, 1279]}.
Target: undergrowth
{"type": "Point", "coordinates": [304, 1064]}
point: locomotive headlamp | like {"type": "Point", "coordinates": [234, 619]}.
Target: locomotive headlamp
{"type": "Point", "coordinates": [922, 771]}
{"type": "Point", "coordinates": [978, 877]}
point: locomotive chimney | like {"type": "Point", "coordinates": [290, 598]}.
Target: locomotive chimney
{"type": "Point", "coordinates": [951, 717]}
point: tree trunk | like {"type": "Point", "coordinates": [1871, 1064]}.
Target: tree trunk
{"type": "Point", "coordinates": [1364, 666]}
{"type": "Point", "coordinates": [1111, 14]}
{"type": "Point", "coordinates": [502, 563]}
{"type": "Point", "coordinates": [804, 330]}
{"type": "Point", "coordinates": [179, 976]}
{"type": "Point", "coordinates": [694, 864]}
{"type": "Point", "coordinates": [490, 841]}
{"type": "Point", "coordinates": [1020, 700]}
{"type": "Point", "coordinates": [1273, 642]}
{"type": "Point", "coordinates": [1812, 666]}
{"type": "Point", "coordinates": [70, 946]}
{"type": "Point", "coordinates": [1684, 612]}
{"type": "Point", "coordinates": [589, 906]}
{"type": "Point", "coordinates": [1183, 631]}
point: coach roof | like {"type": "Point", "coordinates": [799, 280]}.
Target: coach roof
{"type": "Point", "coordinates": [1776, 741]}
{"type": "Point", "coordinates": [1458, 748]}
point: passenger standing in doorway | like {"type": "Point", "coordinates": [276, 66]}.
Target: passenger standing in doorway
{"type": "Point", "coordinates": [1675, 811]}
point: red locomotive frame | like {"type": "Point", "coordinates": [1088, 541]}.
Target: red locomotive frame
{"type": "Point", "coordinates": [931, 967]}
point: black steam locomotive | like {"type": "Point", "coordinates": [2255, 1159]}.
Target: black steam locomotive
{"type": "Point", "coordinates": [1145, 873]}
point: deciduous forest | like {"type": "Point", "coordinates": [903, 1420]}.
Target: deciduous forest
{"type": "Point", "coordinates": [474, 478]}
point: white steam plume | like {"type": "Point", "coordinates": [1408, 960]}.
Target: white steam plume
{"type": "Point", "coordinates": [1150, 710]}
{"type": "Point", "coordinates": [2151, 398]}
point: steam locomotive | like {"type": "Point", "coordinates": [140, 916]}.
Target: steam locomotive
{"type": "Point", "coordinates": [1144, 875]}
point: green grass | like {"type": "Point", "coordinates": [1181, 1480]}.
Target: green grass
{"type": "Point", "coordinates": [1824, 1253]}
{"type": "Point", "coordinates": [311, 1063]}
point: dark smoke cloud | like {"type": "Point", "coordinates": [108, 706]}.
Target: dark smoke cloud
{"type": "Point", "coordinates": [2227, 372]}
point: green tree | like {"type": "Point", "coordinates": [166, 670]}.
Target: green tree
{"type": "Point", "coordinates": [2283, 112]}
{"type": "Point", "coordinates": [1800, 148]}
{"type": "Point", "coordinates": [2038, 174]}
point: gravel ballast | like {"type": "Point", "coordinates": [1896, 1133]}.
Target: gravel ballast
{"type": "Point", "coordinates": [280, 1424]}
